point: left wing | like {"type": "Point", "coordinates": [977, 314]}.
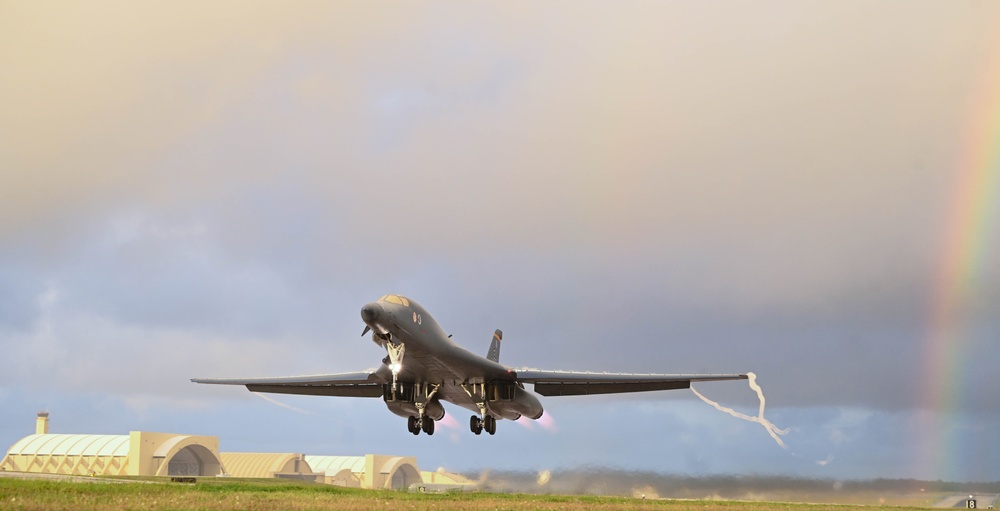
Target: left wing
{"type": "Point", "coordinates": [361, 384]}
{"type": "Point", "coordinates": [572, 383]}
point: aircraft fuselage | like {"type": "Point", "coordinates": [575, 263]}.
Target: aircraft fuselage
{"type": "Point", "coordinates": [424, 367]}
{"type": "Point", "coordinates": [431, 367]}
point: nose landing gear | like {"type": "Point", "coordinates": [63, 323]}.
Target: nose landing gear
{"type": "Point", "coordinates": [395, 352]}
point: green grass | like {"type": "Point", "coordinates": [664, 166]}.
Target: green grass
{"type": "Point", "coordinates": [224, 494]}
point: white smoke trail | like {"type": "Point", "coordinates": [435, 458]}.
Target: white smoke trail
{"type": "Point", "coordinates": [283, 405]}
{"type": "Point", "coordinates": [775, 432]}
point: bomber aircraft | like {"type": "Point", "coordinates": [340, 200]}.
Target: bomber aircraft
{"type": "Point", "coordinates": [424, 366]}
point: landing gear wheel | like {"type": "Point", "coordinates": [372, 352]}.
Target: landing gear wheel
{"type": "Point", "coordinates": [476, 424]}
{"type": "Point", "coordinates": [411, 425]}
{"type": "Point", "coordinates": [428, 426]}
{"type": "Point", "coordinates": [490, 424]}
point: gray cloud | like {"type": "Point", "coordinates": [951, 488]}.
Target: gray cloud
{"type": "Point", "coordinates": [670, 187]}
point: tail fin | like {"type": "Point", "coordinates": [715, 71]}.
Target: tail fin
{"type": "Point", "coordinates": [494, 353]}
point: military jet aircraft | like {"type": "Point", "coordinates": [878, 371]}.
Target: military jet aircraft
{"type": "Point", "coordinates": [424, 366]}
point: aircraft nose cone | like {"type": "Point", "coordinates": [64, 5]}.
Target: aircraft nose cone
{"type": "Point", "coordinates": [371, 312]}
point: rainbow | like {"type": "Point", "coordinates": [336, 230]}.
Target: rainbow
{"type": "Point", "coordinates": [966, 242]}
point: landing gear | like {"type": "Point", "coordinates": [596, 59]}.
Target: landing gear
{"type": "Point", "coordinates": [484, 421]}
{"type": "Point", "coordinates": [488, 424]}
{"type": "Point", "coordinates": [395, 352]}
{"type": "Point", "coordinates": [422, 395]}
{"type": "Point", "coordinates": [415, 425]}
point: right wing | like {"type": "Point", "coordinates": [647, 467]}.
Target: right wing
{"type": "Point", "coordinates": [572, 383]}
{"type": "Point", "coordinates": [361, 384]}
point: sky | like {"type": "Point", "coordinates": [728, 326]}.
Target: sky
{"type": "Point", "coordinates": [805, 190]}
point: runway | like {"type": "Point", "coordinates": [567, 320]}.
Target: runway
{"type": "Point", "coordinates": [960, 500]}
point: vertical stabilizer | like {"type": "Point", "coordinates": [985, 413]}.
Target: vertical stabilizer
{"type": "Point", "coordinates": [494, 353]}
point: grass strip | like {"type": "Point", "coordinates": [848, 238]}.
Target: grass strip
{"type": "Point", "coordinates": [224, 494]}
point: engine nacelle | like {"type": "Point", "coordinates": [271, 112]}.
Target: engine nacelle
{"type": "Point", "coordinates": [510, 401]}
{"type": "Point", "coordinates": [402, 402]}
{"type": "Point", "coordinates": [433, 410]}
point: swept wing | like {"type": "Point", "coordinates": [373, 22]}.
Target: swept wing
{"type": "Point", "coordinates": [573, 383]}
{"type": "Point", "coordinates": [360, 384]}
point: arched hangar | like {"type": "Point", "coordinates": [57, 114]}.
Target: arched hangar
{"type": "Point", "coordinates": [138, 453]}
{"type": "Point", "coordinates": [369, 471]}
{"type": "Point", "coordinates": [279, 465]}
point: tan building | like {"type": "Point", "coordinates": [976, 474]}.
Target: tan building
{"type": "Point", "coordinates": [138, 453]}
{"type": "Point", "coordinates": [440, 481]}
{"type": "Point", "coordinates": [142, 453]}
{"type": "Point", "coordinates": [284, 466]}
{"type": "Point", "coordinates": [347, 471]}
{"type": "Point", "coordinates": [369, 471]}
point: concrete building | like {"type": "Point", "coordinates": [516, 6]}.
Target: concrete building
{"type": "Point", "coordinates": [441, 481]}
{"type": "Point", "coordinates": [138, 453]}
{"type": "Point", "coordinates": [258, 465]}
{"type": "Point", "coordinates": [347, 471]}
{"type": "Point", "coordinates": [369, 471]}
{"type": "Point", "coordinates": [142, 453]}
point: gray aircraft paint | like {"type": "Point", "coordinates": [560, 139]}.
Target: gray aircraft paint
{"type": "Point", "coordinates": [433, 368]}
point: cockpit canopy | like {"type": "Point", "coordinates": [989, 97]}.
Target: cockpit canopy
{"type": "Point", "coordinates": [396, 299]}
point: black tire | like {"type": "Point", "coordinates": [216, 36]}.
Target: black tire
{"type": "Point", "coordinates": [428, 426]}
{"type": "Point", "coordinates": [476, 425]}
{"type": "Point", "coordinates": [491, 424]}
{"type": "Point", "coordinates": [411, 424]}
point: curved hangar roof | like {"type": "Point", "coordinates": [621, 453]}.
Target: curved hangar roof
{"type": "Point", "coordinates": [160, 454]}
{"type": "Point", "coordinates": [71, 445]}
{"type": "Point", "coordinates": [369, 471]}
{"type": "Point", "coordinates": [332, 465]}
{"type": "Point", "coordinates": [249, 464]}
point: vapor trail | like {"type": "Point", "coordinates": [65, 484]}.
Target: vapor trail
{"type": "Point", "coordinates": [772, 430]}
{"type": "Point", "coordinates": [283, 405]}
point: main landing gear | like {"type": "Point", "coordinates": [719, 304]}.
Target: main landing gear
{"type": "Point", "coordinates": [416, 425]}
{"type": "Point", "coordinates": [487, 423]}
{"type": "Point", "coordinates": [484, 421]}
{"type": "Point", "coordinates": [422, 395]}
